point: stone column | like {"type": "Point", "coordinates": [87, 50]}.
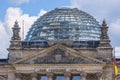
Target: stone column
{"type": "Point", "coordinates": [18, 76]}
{"type": "Point", "coordinates": [50, 76]}
{"type": "Point", "coordinates": [67, 76]}
{"type": "Point", "coordinates": [99, 75]}
{"type": "Point", "coordinates": [11, 75]}
{"type": "Point", "coordinates": [34, 76]}
{"type": "Point", "coordinates": [83, 75]}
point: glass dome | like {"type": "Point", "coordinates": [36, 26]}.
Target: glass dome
{"type": "Point", "coordinates": [65, 24]}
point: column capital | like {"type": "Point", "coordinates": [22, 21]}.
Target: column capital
{"type": "Point", "coordinates": [50, 74]}
{"type": "Point", "coordinates": [67, 74]}
{"type": "Point", "coordinates": [83, 74]}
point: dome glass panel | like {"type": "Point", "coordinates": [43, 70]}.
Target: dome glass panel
{"type": "Point", "coordinates": [65, 24]}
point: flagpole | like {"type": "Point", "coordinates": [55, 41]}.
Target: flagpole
{"type": "Point", "coordinates": [113, 62]}
{"type": "Point", "coordinates": [115, 65]}
{"type": "Point", "coordinates": [114, 53]}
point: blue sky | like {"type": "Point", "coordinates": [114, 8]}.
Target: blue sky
{"type": "Point", "coordinates": [30, 10]}
{"type": "Point", "coordinates": [32, 7]}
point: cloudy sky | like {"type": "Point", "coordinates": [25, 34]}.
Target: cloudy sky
{"type": "Point", "coordinates": [30, 10]}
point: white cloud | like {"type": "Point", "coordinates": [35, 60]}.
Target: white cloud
{"type": "Point", "coordinates": [117, 52]}
{"type": "Point", "coordinates": [4, 41]}
{"type": "Point", "coordinates": [114, 31]}
{"type": "Point", "coordinates": [19, 1]}
{"type": "Point", "coordinates": [99, 8]}
{"type": "Point", "coordinates": [13, 14]}
{"type": "Point", "coordinates": [42, 12]}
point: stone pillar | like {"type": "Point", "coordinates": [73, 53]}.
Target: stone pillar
{"type": "Point", "coordinates": [67, 76]}
{"type": "Point", "coordinates": [34, 76]}
{"type": "Point", "coordinates": [50, 76]}
{"type": "Point", "coordinates": [109, 75]}
{"type": "Point", "coordinates": [83, 75]}
{"type": "Point", "coordinates": [11, 75]}
{"type": "Point", "coordinates": [18, 76]}
{"type": "Point", "coordinates": [99, 75]}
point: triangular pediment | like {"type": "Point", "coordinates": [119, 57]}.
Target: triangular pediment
{"type": "Point", "coordinates": [58, 54]}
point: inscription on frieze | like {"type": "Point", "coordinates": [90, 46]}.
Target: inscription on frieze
{"type": "Point", "coordinates": [40, 70]}
{"type": "Point", "coordinates": [57, 70]}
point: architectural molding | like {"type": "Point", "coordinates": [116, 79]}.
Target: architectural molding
{"type": "Point", "coordinates": [59, 46]}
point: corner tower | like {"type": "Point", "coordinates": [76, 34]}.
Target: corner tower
{"type": "Point", "coordinates": [104, 47]}
{"type": "Point", "coordinates": [15, 43]}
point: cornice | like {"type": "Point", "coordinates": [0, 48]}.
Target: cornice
{"type": "Point", "coordinates": [71, 51]}
{"type": "Point", "coordinates": [64, 65]}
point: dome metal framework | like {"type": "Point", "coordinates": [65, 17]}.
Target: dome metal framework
{"type": "Point", "coordinates": [63, 24]}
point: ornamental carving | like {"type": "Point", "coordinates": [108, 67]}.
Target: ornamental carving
{"type": "Point", "coordinates": [59, 56]}
{"type": "Point", "coordinates": [16, 30]}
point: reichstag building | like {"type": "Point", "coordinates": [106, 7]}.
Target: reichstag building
{"type": "Point", "coordinates": [63, 44]}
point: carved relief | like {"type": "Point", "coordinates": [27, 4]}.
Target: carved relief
{"type": "Point", "coordinates": [59, 56]}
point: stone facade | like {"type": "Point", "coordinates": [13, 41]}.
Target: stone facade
{"type": "Point", "coordinates": [32, 63]}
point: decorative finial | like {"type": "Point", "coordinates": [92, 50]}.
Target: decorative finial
{"type": "Point", "coordinates": [104, 23]}
{"type": "Point", "coordinates": [16, 24]}
{"type": "Point", "coordinates": [16, 30]}
{"type": "Point", "coordinates": [104, 39]}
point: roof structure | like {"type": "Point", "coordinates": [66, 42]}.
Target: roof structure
{"type": "Point", "coordinates": [63, 24]}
